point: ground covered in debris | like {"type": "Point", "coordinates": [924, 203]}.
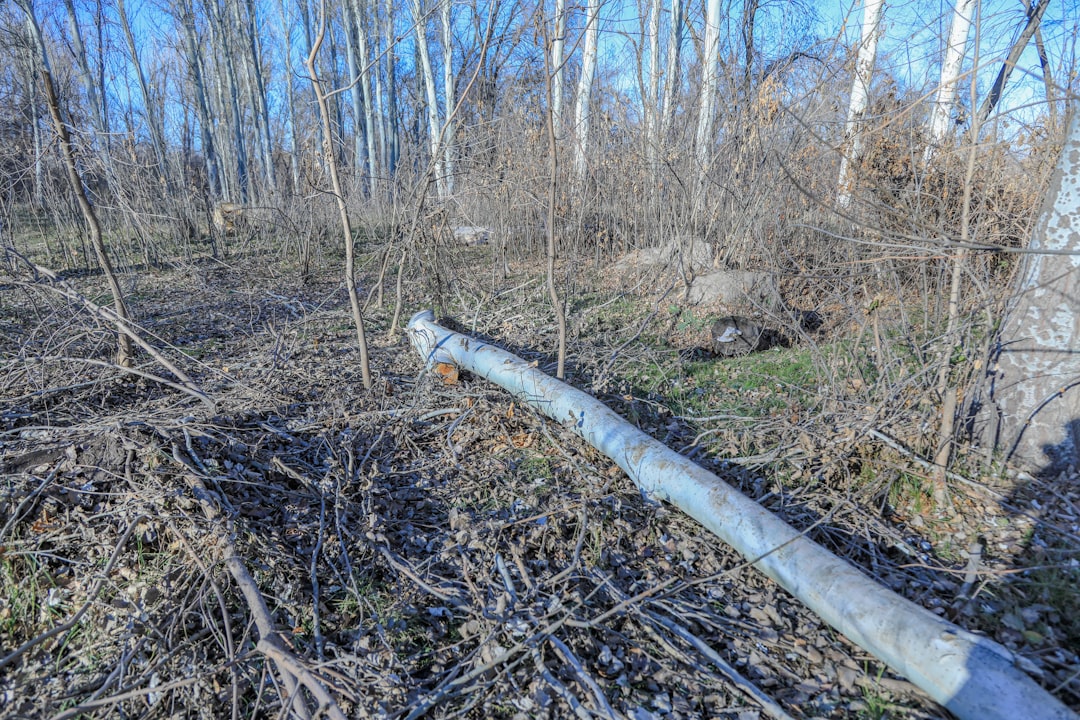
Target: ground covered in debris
{"type": "Point", "coordinates": [438, 550]}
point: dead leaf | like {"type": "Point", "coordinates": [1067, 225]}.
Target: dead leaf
{"type": "Point", "coordinates": [447, 372]}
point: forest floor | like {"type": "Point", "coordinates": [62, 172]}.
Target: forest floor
{"type": "Point", "coordinates": [433, 549]}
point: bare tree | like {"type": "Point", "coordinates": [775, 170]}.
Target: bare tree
{"type": "Point", "coordinates": [335, 184]}
{"type": "Point", "coordinates": [290, 96]}
{"type": "Point", "coordinates": [185, 16]}
{"type": "Point", "coordinates": [124, 349]}
{"type": "Point", "coordinates": [651, 97]}
{"type": "Point", "coordinates": [153, 121]}
{"type": "Point", "coordinates": [252, 61]}
{"type": "Point", "coordinates": [552, 194]}
{"type": "Point", "coordinates": [558, 45]}
{"type": "Point", "coordinates": [1031, 24]}
{"type": "Point", "coordinates": [94, 95]}
{"type": "Point", "coordinates": [860, 94]}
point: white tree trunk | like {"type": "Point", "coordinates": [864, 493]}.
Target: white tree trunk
{"type": "Point", "coordinates": [432, 98]}
{"type": "Point", "coordinates": [971, 675]}
{"type": "Point", "coordinates": [710, 80]}
{"type": "Point", "coordinates": [449, 97]}
{"type": "Point", "coordinates": [674, 71]}
{"type": "Point", "coordinates": [860, 94]}
{"type": "Point", "coordinates": [248, 22]}
{"type": "Point", "coordinates": [390, 118]}
{"type": "Point", "coordinates": [652, 101]}
{"type": "Point", "coordinates": [290, 98]}
{"type": "Point", "coordinates": [356, 92]}
{"type": "Point", "coordinates": [950, 74]}
{"type": "Point", "coordinates": [367, 64]}
{"type": "Point", "coordinates": [583, 102]}
{"type": "Point", "coordinates": [558, 44]}
{"type": "Point", "coordinates": [1035, 391]}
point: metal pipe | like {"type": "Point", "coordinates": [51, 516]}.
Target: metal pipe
{"type": "Point", "coordinates": [973, 676]}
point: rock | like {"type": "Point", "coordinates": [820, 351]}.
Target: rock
{"type": "Point", "coordinates": [734, 335]}
{"type": "Point", "coordinates": [472, 235]}
{"type": "Point", "coordinates": [729, 287]}
{"type": "Point", "coordinates": [698, 257]}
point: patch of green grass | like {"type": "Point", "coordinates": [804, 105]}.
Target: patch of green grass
{"type": "Point", "coordinates": [876, 702]}
{"type": "Point", "coordinates": [535, 467]}
{"type": "Point", "coordinates": [22, 593]}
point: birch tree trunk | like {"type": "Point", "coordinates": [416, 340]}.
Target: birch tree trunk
{"type": "Point", "coordinates": [259, 107]}
{"type": "Point", "coordinates": [558, 44]}
{"type": "Point", "coordinates": [1035, 371]}
{"type": "Point", "coordinates": [428, 79]}
{"type": "Point", "coordinates": [860, 94]}
{"type": "Point", "coordinates": [230, 90]}
{"type": "Point", "coordinates": [674, 71]}
{"type": "Point", "coordinates": [449, 97]}
{"type": "Point", "coordinates": [652, 99]}
{"type": "Point", "coordinates": [290, 98]}
{"type": "Point", "coordinates": [941, 115]}
{"type": "Point", "coordinates": [710, 77]}
{"type": "Point", "coordinates": [364, 78]}
{"type": "Point", "coordinates": [390, 117]}
{"type": "Point", "coordinates": [356, 93]}
{"type": "Point", "coordinates": [583, 102]}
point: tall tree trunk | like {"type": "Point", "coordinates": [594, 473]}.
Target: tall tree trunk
{"type": "Point", "coordinates": [710, 78]}
{"type": "Point", "coordinates": [652, 99]}
{"type": "Point", "coordinates": [557, 304]}
{"type": "Point", "coordinates": [1034, 16]}
{"type": "Point", "coordinates": [673, 82]}
{"type": "Point", "coordinates": [93, 92]}
{"type": "Point", "coordinates": [356, 93]}
{"type": "Point", "coordinates": [28, 67]}
{"type": "Point", "coordinates": [1035, 368]}
{"type": "Point", "coordinates": [339, 197]}
{"type": "Point", "coordinates": [449, 98]}
{"type": "Point", "coordinates": [1048, 79]}
{"type": "Point", "coordinates": [367, 63]}
{"type": "Point", "coordinates": [393, 149]}
{"type": "Point", "coordinates": [428, 79]}
{"type": "Point", "coordinates": [231, 89]}
{"type": "Point", "coordinates": [750, 8]}
{"type": "Point", "coordinates": [558, 48]}
{"type": "Point", "coordinates": [186, 18]}
{"type": "Point", "coordinates": [124, 351]}
{"type": "Point", "coordinates": [860, 94]}
{"type": "Point", "coordinates": [583, 101]}
{"type": "Point", "coordinates": [290, 98]}
{"type": "Point", "coordinates": [950, 74]}
{"type": "Point", "coordinates": [153, 122]}
{"type": "Point", "coordinates": [259, 107]}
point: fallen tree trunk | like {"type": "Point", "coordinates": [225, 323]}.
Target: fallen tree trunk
{"type": "Point", "coordinates": [972, 676]}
